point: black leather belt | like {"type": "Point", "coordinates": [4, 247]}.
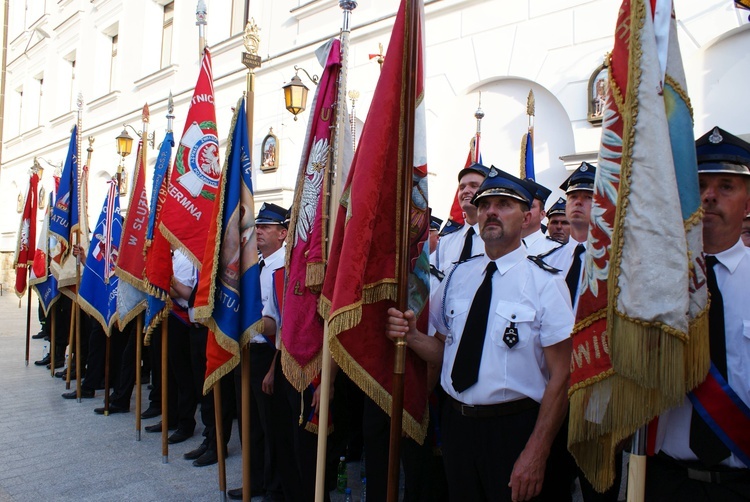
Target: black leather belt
{"type": "Point", "coordinates": [493, 410]}
{"type": "Point", "coordinates": [697, 472]}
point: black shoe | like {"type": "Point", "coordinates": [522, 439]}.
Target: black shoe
{"type": "Point", "coordinates": [179, 436]}
{"type": "Point", "coordinates": [85, 393]}
{"type": "Point", "coordinates": [113, 408]}
{"type": "Point", "coordinates": [157, 427]}
{"type": "Point", "coordinates": [38, 336]}
{"type": "Point", "coordinates": [151, 412]}
{"type": "Point", "coordinates": [208, 458]}
{"type": "Point", "coordinates": [59, 363]}
{"type": "Point", "coordinates": [198, 452]}
{"type": "Point", "coordinates": [236, 494]}
{"type": "Point", "coordinates": [43, 361]}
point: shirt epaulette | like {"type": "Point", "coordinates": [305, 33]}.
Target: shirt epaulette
{"type": "Point", "coordinates": [553, 240]}
{"type": "Point", "coordinates": [537, 260]}
{"type": "Point", "coordinates": [437, 273]}
{"type": "Point", "coordinates": [468, 259]}
{"type": "Point", "coordinates": [547, 253]}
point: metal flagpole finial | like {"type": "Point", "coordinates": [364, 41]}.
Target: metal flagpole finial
{"type": "Point", "coordinates": [479, 114]}
{"type": "Point", "coordinates": [530, 104]}
{"type": "Point", "coordinates": [90, 149]}
{"type": "Point", "coordinates": [79, 101]}
{"type": "Point", "coordinates": [170, 111]}
{"type": "Point", "coordinates": [145, 114]}
{"type": "Point", "coordinates": [251, 41]}
{"type": "Point", "coordinates": [201, 12]}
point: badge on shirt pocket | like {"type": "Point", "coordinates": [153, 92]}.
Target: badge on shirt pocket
{"type": "Point", "coordinates": [510, 337]}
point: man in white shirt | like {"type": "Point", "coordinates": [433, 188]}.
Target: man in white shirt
{"type": "Point", "coordinates": [271, 229]}
{"type": "Point", "coordinates": [503, 339]}
{"type": "Point", "coordinates": [705, 443]}
{"type": "Point", "coordinates": [465, 242]}
{"type": "Point", "coordinates": [533, 237]}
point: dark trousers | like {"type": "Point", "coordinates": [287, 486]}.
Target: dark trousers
{"type": "Point", "coordinates": [667, 480]}
{"type": "Point", "coordinates": [376, 431]}
{"type": "Point", "coordinates": [198, 338]}
{"type": "Point", "coordinates": [154, 356]}
{"type": "Point", "coordinates": [263, 470]}
{"type": "Point", "coordinates": [479, 455]}
{"type": "Point", "coordinates": [126, 381]}
{"type": "Point", "coordinates": [182, 401]}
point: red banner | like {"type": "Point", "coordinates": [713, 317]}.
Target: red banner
{"type": "Point", "coordinates": [194, 181]}
{"type": "Point", "coordinates": [362, 277]}
{"type": "Point", "coordinates": [26, 237]}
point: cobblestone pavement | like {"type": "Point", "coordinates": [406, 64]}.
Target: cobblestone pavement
{"type": "Point", "coordinates": [60, 450]}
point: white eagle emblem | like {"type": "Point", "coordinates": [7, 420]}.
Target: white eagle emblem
{"type": "Point", "coordinates": [316, 164]}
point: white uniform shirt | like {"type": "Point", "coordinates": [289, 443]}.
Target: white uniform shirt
{"type": "Point", "coordinates": [449, 247]}
{"type": "Point", "coordinates": [562, 259]}
{"type": "Point", "coordinates": [268, 295]}
{"type": "Point", "coordinates": [183, 272]}
{"type": "Point", "coordinates": [537, 301]}
{"type": "Point", "coordinates": [538, 243]}
{"type": "Point", "coordinates": [733, 277]}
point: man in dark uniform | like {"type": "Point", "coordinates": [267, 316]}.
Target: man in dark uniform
{"type": "Point", "coordinates": [705, 445]}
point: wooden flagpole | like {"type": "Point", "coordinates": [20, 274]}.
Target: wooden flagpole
{"type": "Point", "coordinates": [138, 382]}
{"type": "Point", "coordinates": [28, 316]}
{"type": "Point", "coordinates": [636, 491]}
{"type": "Point", "coordinates": [251, 60]}
{"type": "Point", "coordinates": [164, 393]}
{"type": "Point", "coordinates": [407, 164]}
{"type": "Point", "coordinates": [81, 204]}
{"type": "Point", "coordinates": [335, 188]}
{"type": "Point", "coordinates": [220, 453]}
{"type": "Point", "coordinates": [71, 342]}
{"type": "Point", "coordinates": [107, 353]}
{"type": "Point", "coordinates": [52, 332]}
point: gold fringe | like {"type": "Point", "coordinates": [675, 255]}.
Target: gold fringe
{"type": "Point", "coordinates": [630, 407]}
{"type": "Point", "coordinates": [682, 93]}
{"type": "Point", "coordinates": [348, 317]}
{"type": "Point", "coordinates": [314, 275]}
{"type": "Point", "coordinates": [138, 283]}
{"type": "Point", "coordinates": [177, 244]}
{"type": "Point", "coordinates": [416, 430]}
{"type": "Point", "coordinates": [156, 321]}
{"type": "Point", "coordinates": [647, 354]}
{"type": "Point", "coordinates": [694, 219]}
{"type": "Point", "coordinates": [299, 376]}
{"type": "Point", "coordinates": [132, 314]}
{"type": "Point", "coordinates": [522, 169]}
{"type": "Point", "coordinates": [91, 310]}
{"type": "Point", "coordinates": [257, 328]}
{"type": "Point", "coordinates": [311, 427]}
{"type": "Point", "coordinates": [697, 354]}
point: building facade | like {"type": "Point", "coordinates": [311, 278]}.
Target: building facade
{"type": "Point", "coordinates": [121, 55]}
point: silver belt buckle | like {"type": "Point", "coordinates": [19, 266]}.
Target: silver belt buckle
{"type": "Point", "coordinates": [698, 475]}
{"type": "Point", "coordinates": [465, 407]}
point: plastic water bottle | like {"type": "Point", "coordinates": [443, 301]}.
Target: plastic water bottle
{"type": "Point", "coordinates": [341, 478]}
{"type": "Point", "coordinates": [363, 498]}
{"type": "Point", "coordinates": [348, 495]}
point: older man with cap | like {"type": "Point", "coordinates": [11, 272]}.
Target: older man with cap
{"type": "Point", "coordinates": [271, 229]}
{"type": "Point", "coordinates": [532, 236]}
{"type": "Point", "coordinates": [746, 230]}
{"type": "Point", "coordinates": [464, 242]}
{"type": "Point", "coordinates": [503, 337]}
{"type": "Point", "coordinates": [705, 443]}
{"type": "Point", "coordinates": [558, 226]}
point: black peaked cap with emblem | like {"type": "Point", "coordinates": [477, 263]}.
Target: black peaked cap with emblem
{"type": "Point", "coordinates": [581, 179]}
{"type": "Point", "coordinates": [557, 208]}
{"type": "Point", "coordinates": [541, 192]}
{"type": "Point", "coordinates": [502, 184]}
{"type": "Point", "coordinates": [271, 214]}
{"type": "Point", "coordinates": [721, 152]}
{"type": "Point", "coordinates": [474, 168]}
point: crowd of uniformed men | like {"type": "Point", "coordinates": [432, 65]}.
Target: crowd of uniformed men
{"type": "Point", "coordinates": [502, 308]}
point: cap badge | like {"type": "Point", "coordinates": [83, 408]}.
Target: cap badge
{"type": "Point", "coordinates": [492, 173]}
{"type": "Point", "coordinates": [584, 168]}
{"type": "Point", "coordinates": [715, 137]}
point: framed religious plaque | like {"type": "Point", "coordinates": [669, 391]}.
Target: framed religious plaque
{"type": "Point", "coordinates": [269, 151]}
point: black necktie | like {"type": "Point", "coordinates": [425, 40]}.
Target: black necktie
{"type": "Point", "coordinates": [261, 264]}
{"type": "Point", "coordinates": [466, 366]}
{"type": "Point", "coordinates": [703, 441]}
{"type": "Point", "coordinates": [468, 241]}
{"type": "Point", "coordinates": [574, 274]}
